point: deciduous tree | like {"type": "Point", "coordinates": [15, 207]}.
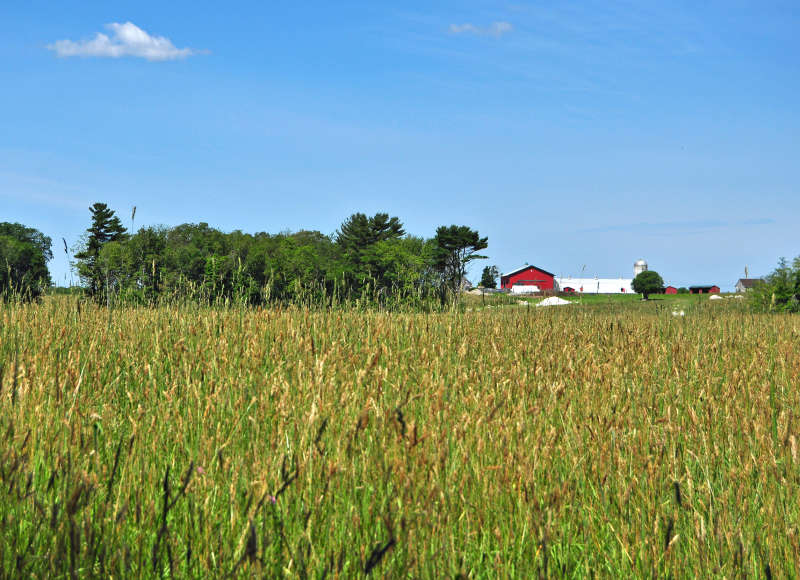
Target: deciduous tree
{"type": "Point", "coordinates": [24, 253]}
{"type": "Point", "coordinates": [647, 282]}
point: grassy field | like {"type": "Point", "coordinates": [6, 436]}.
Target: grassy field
{"type": "Point", "coordinates": [594, 440]}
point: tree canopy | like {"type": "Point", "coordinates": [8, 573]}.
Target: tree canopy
{"type": "Point", "coordinates": [359, 231]}
{"type": "Point", "coordinates": [368, 249]}
{"type": "Point", "coordinates": [647, 282]}
{"type": "Point", "coordinates": [489, 277]}
{"type": "Point", "coordinates": [106, 227]}
{"type": "Point", "coordinates": [455, 247]}
{"type": "Point", "coordinates": [780, 290]}
{"type": "Point", "coordinates": [366, 259]}
{"type": "Point", "coordinates": [24, 253]}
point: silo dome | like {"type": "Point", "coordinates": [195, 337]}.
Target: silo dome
{"type": "Point", "coordinates": [638, 267]}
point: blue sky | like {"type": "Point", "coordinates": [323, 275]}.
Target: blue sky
{"type": "Point", "coordinates": [570, 133]}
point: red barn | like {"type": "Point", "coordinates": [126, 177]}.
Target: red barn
{"type": "Point", "coordinates": [705, 289]}
{"type": "Point", "coordinates": [670, 290]}
{"type": "Point", "coordinates": [528, 276]}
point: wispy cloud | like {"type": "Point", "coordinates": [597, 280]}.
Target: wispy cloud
{"type": "Point", "coordinates": [757, 222]}
{"type": "Point", "coordinates": [495, 29]}
{"type": "Point", "coordinates": [126, 39]}
{"type": "Point", "coordinates": [692, 226]}
{"type": "Point", "coordinates": [36, 190]}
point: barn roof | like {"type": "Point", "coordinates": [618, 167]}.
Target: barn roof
{"type": "Point", "coordinates": [749, 282]}
{"type": "Point", "coordinates": [703, 286]}
{"type": "Point", "coordinates": [525, 267]}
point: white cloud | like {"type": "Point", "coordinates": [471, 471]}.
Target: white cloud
{"type": "Point", "coordinates": [127, 40]}
{"type": "Point", "coordinates": [496, 29]}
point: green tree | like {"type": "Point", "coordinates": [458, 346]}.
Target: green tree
{"type": "Point", "coordinates": [489, 277]}
{"type": "Point", "coordinates": [132, 268]}
{"type": "Point", "coordinates": [357, 239]}
{"type": "Point", "coordinates": [146, 251]}
{"type": "Point", "coordinates": [683, 290]}
{"type": "Point", "coordinates": [403, 268]}
{"type": "Point", "coordinates": [647, 282]}
{"type": "Point", "coordinates": [106, 227]}
{"type": "Point", "coordinates": [455, 248]}
{"type": "Point", "coordinates": [115, 264]}
{"type": "Point", "coordinates": [359, 231]}
{"type": "Point", "coordinates": [24, 253]}
{"type": "Point", "coordinates": [212, 278]}
{"type": "Point", "coordinates": [780, 291]}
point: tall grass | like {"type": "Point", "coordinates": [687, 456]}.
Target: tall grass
{"type": "Point", "coordinates": [198, 441]}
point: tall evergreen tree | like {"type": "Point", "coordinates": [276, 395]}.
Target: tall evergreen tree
{"type": "Point", "coordinates": [489, 277]}
{"type": "Point", "coordinates": [357, 239]}
{"type": "Point", "coordinates": [106, 227]}
{"type": "Point", "coordinates": [359, 231]}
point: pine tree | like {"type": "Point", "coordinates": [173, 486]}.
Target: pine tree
{"type": "Point", "coordinates": [456, 246]}
{"type": "Point", "coordinates": [359, 231]}
{"type": "Point", "coordinates": [357, 238]}
{"type": "Point", "coordinates": [489, 277]}
{"type": "Point", "coordinates": [106, 227]}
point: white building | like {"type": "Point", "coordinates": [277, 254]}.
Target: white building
{"type": "Point", "coordinates": [600, 285]}
{"type": "Point", "coordinates": [524, 289]}
{"type": "Point", "coordinates": [594, 285]}
{"type": "Point", "coordinates": [745, 284]}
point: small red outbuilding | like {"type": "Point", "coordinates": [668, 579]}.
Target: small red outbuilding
{"type": "Point", "coordinates": [670, 290]}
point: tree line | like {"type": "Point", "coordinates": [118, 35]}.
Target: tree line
{"type": "Point", "coordinates": [369, 258]}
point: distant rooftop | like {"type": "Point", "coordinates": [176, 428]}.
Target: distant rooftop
{"type": "Point", "coordinates": [525, 267]}
{"type": "Point", "coordinates": [749, 282]}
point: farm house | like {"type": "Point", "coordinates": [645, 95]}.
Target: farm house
{"type": "Point", "coordinates": [745, 284]}
{"type": "Point", "coordinates": [528, 279]}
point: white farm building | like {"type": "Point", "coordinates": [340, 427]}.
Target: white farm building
{"type": "Point", "coordinates": [595, 285]}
